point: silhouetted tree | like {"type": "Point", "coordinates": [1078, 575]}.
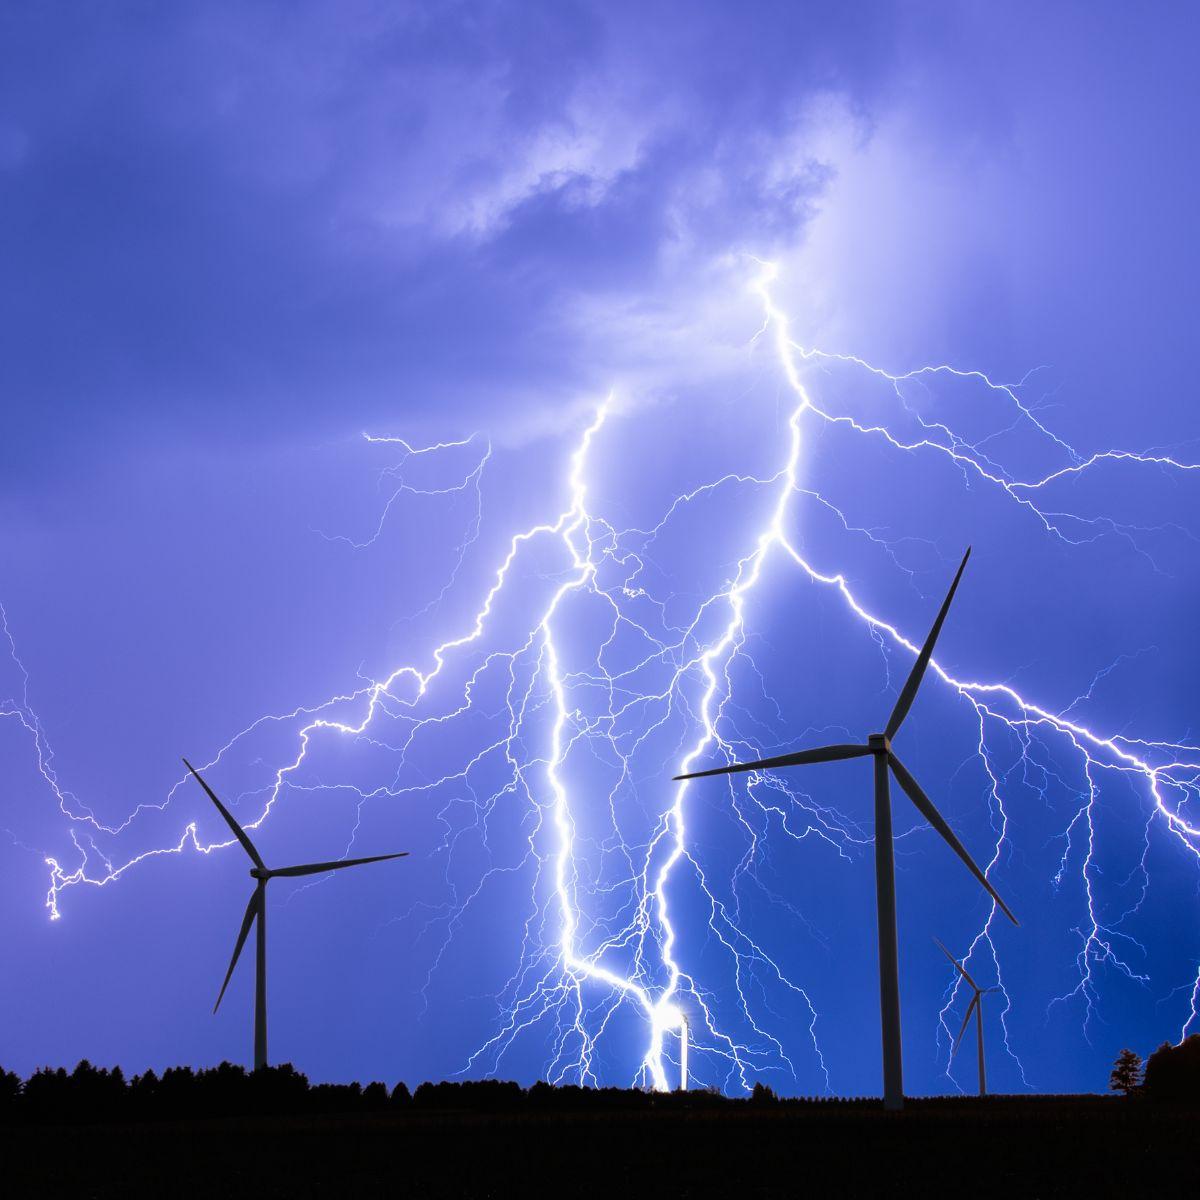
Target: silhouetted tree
{"type": "Point", "coordinates": [44, 1090]}
{"type": "Point", "coordinates": [142, 1093]}
{"type": "Point", "coordinates": [763, 1095]}
{"type": "Point", "coordinates": [1173, 1072]}
{"type": "Point", "coordinates": [1126, 1076]}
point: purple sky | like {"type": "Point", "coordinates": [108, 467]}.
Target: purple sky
{"type": "Point", "coordinates": [235, 237]}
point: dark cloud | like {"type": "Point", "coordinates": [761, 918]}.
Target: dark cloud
{"type": "Point", "coordinates": [232, 217]}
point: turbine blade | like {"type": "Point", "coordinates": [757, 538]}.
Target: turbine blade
{"type": "Point", "coordinates": [238, 831]}
{"type": "Point", "coordinates": [799, 758]}
{"type": "Point", "coordinates": [908, 695]}
{"type": "Point", "coordinates": [931, 814]}
{"type": "Point", "coordinates": [966, 1021]}
{"type": "Point", "coordinates": [961, 969]}
{"type": "Point", "coordinates": [247, 921]}
{"type": "Point", "coordinates": [320, 868]}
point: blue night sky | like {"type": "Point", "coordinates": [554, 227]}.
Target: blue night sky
{"type": "Point", "coordinates": [632, 301]}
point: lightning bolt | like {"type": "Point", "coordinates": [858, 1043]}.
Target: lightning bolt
{"type": "Point", "coordinates": [560, 725]}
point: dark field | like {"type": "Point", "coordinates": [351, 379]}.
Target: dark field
{"type": "Point", "coordinates": [1024, 1148]}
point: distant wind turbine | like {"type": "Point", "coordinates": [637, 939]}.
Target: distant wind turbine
{"type": "Point", "coordinates": [684, 1035]}
{"type": "Point", "coordinates": [672, 1018]}
{"type": "Point", "coordinates": [257, 910]}
{"type": "Point", "coordinates": [976, 1007]}
{"type": "Point", "coordinates": [879, 745]}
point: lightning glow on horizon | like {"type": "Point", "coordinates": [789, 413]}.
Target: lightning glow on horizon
{"type": "Point", "coordinates": [601, 939]}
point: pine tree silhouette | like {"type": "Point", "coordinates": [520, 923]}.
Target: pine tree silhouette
{"type": "Point", "coordinates": [1126, 1076]}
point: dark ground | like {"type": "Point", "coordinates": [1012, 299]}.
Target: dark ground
{"type": "Point", "coordinates": [1021, 1148]}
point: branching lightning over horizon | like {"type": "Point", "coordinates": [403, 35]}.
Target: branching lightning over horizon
{"type": "Point", "coordinates": [575, 721]}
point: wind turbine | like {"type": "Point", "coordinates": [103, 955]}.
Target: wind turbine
{"type": "Point", "coordinates": [257, 910]}
{"type": "Point", "coordinates": [684, 1036]}
{"type": "Point", "coordinates": [672, 1018]}
{"type": "Point", "coordinates": [975, 1006]}
{"type": "Point", "coordinates": [879, 746]}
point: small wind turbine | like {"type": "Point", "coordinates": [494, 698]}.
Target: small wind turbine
{"type": "Point", "coordinates": [879, 746]}
{"type": "Point", "coordinates": [975, 1006]}
{"type": "Point", "coordinates": [684, 1036]}
{"type": "Point", "coordinates": [257, 909]}
{"type": "Point", "coordinates": [675, 1018]}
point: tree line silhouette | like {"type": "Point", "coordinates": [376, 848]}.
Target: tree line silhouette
{"type": "Point", "coordinates": [94, 1094]}
{"type": "Point", "coordinates": [90, 1093]}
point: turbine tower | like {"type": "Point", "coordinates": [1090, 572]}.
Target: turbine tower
{"type": "Point", "coordinates": [684, 1036]}
{"type": "Point", "coordinates": [975, 1006]}
{"type": "Point", "coordinates": [257, 910]}
{"type": "Point", "coordinates": [670, 1018]}
{"type": "Point", "coordinates": [879, 747]}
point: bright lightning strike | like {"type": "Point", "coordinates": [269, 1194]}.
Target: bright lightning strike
{"type": "Point", "coordinates": [605, 934]}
